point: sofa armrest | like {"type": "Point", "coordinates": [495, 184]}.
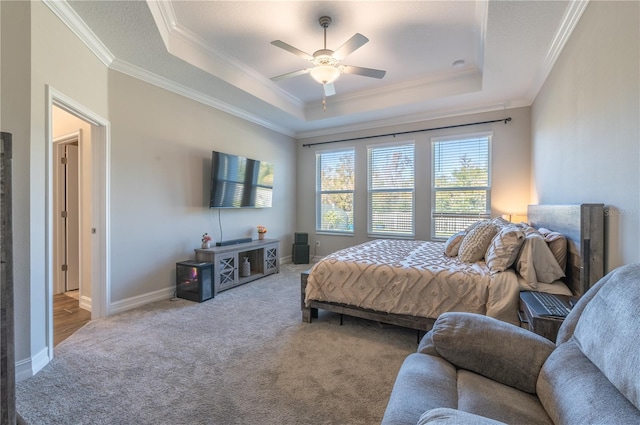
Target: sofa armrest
{"type": "Point", "coordinates": [497, 350]}
{"type": "Point", "coordinates": [445, 416]}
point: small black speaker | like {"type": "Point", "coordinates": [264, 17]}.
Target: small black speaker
{"type": "Point", "coordinates": [301, 239]}
{"type": "Point", "coordinates": [300, 254]}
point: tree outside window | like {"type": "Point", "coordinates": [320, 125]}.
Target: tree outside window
{"type": "Point", "coordinates": [461, 183]}
{"type": "Point", "coordinates": [335, 183]}
{"type": "Point", "coordinates": [391, 177]}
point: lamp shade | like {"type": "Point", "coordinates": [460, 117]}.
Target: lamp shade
{"type": "Point", "coordinates": [325, 74]}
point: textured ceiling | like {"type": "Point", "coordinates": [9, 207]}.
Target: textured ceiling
{"type": "Point", "coordinates": [219, 52]}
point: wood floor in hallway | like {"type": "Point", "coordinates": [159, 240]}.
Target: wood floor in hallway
{"type": "Point", "coordinates": [68, 317]}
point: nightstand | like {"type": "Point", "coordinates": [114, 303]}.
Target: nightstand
{"type": "Point", "coordinates": [542, 325]}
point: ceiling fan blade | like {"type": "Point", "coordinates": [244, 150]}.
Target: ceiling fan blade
{"type": "Point", "coordinates": [366, 72]}
{"type": "Point", "coordinates": [329, 89]}
{"type": "Point", "coordinates": [290, 74]}
{"type": "Point", "coordinates": [291, 49]}
{"type": "Point", "coordinates": [350, 46]}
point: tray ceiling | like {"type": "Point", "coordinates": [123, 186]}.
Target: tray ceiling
{"type": "Point", "coordinates": [219, 53]}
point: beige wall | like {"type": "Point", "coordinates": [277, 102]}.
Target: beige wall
{"type": "Point", "coordinates": [583, 131]}
{"type": "Point", "coordinates": [160, 169]}
{"type": "Point", "coordinates": [585, 137]}
{"type": "Point", "coordinates": [510, 158]}
{"type": "Point", "coordinates": [160, 154]}
{"type": "Point", "coordinates": [16, 88]}
{"type": "Point", "coordinates": [49, 54]}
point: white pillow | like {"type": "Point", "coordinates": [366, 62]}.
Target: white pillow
{"type": "Point", "coordinates": [557, 244]}
{"type": "Point", "coordinates": [536, 262]}
{"type": "Point", "coordinates": [452, 246]}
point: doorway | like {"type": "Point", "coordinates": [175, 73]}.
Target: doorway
{"type": "Point", "coordinates": [71, 305]}
{"type": "Point", "coordinates": [77, 215]}
{"type": "Point", "coordinates": [67, 195]}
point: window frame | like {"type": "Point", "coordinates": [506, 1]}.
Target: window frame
{"type": "Point", "coordinates": [370, 228]}
{"type": "Point", "coordinates": [320, 193]}
{"type": "Point", "coordinates": [470, 218]}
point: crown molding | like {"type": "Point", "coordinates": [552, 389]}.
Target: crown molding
{"type": "Point", "coordinates": [431, 87]}
{"type": "Point", "coordinates": [455, 77]}
{"type": "Point", "coordinates": [410, 119]}
{"type": "Point", "coordinates": [482, 13]}
{"type": "Point", "coordinates": [179, 38]}
{"type": "Point", "coordinates": [71, 19]}
{"type": "Point", "coordinates": [164, 17]}
{"type": "Point", "coordinates": [570, 20]}
{"type": "Point", "coordinates": [172, 86]}
{"type": "Point", "coordinates": [184, 44]}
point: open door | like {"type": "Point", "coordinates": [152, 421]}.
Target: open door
{"type": "Point", "coordinates": [67, 207]}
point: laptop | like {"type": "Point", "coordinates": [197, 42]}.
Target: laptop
{"type": "Point", "coordinates": [548, 305]}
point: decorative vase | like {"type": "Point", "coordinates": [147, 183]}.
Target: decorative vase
{"type": "Point", "coordinates": [206, 245]}
{"type": "Point", "coordinates": [246, 268]}
{"type": "Point", "coordinates": [261, 236]}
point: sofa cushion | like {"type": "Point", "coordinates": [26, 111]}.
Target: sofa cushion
{"type": "Point", "coordinates": [426, 345]}
{"type": "Point", "coordinates": [495, 349]}
{"type": "Point", "coordinates": [424, 382]}
{"type": "Point", "coordinates": [573, 391]}
{"type": "Point", "coordinates": [486, 397]}
{"type": "Point", "coordinates": [607, 331]}
{"type": "Point", "coordinates": [446, 416]}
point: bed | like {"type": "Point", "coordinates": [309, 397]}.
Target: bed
{"type": "Point", "coordinates": [409, 283]}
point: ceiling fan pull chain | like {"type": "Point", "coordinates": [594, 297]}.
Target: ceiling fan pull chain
{"type": "Point", "coordinates": [324, 100]}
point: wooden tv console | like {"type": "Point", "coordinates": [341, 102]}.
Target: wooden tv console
{"type": "Point", "coordinates": [264, 256]}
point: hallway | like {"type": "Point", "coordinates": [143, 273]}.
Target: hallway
{"type": "Point", "coordinates": [68, 317]}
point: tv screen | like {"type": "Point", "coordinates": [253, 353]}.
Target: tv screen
{"type": "Point", "coordinates": [239, 182]}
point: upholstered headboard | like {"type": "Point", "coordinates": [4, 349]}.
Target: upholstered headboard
{"type": "Point", "coordinates": [583, 226]}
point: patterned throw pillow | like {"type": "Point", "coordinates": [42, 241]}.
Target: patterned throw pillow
{"type": "Point", "coordinates": [452, 246]}
{"type": "Point", "coordinates": [475, 243]}
{"type": "Point", "coordinates": [501, 223]}
{"type": "Point", "coordinates": [504, 248]}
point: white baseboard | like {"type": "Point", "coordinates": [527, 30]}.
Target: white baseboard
{"type": "Point", "coordinates": [140, 300]}
{"type": "Point", "coordinates": [85, 303]}
{"type": "Point", "coordinates": [28, 367]}
{"type": "Point", "coordinates": [285, 260]}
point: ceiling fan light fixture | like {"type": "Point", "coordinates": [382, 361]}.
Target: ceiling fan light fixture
{"type": "Point", "coordinates": [325, 74]}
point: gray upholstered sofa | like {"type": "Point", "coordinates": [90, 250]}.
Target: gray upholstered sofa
{"type": "Point", "coordinates": [471, 369]}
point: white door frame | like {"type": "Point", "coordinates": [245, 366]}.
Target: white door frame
{"type": "Point", "coordinates": [100, 198]}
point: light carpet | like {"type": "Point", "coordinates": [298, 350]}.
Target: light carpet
{"type": "Point", "coordinates": [243, 357]}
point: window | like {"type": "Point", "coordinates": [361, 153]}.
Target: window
{"type": "Point", "coordinates": [461, 193]}
{"type": "Point", "coordinates": [391, 189]}
{"type": "Point", "coordinates": [335, 191]}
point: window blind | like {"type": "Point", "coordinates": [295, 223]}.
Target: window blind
{"type": "Point", "coordinates": [391, 189]}
{"type": "Point", "coordinates": [461, 183]}
{"type": "Point", "coordinates": [335, 183]}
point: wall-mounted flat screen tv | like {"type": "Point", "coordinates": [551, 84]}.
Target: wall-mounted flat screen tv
{"type": "Point", "coordinates": [239, 182]}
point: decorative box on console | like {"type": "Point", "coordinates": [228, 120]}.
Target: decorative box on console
{"type": "Point", "coordinates": [194, 280]}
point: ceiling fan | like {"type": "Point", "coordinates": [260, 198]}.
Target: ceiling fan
{"type": "Point", "coordinates": [327, 63]}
